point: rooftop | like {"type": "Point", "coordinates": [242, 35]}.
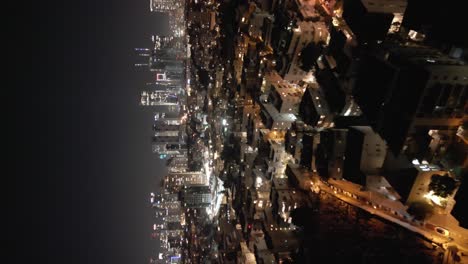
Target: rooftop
{"type": "Point", "coordinates": [287, 90]}
{"type": "Point", "coordinates": [278, 117]}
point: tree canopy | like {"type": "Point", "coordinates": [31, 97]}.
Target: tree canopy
{"type": "Point", "coordinates": [442, 186]}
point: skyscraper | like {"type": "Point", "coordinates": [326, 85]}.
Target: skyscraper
{"type": "Point", "coordinates": [152, 98]}
{"type": "Point", "coordinates": [168, 138]}
{"type": "Point", "coordinates": [165, 5]}
{"type": "Point", "coordinates": [420, 89]}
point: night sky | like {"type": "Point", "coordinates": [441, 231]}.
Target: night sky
{"type": "Point", "coordinates": [83, 167]}
{"type": "Point", "coordinates": [79, 166]}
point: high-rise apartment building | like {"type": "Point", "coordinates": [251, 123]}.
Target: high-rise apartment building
{"type": "Point", "coordinates": [165, 5]}
{"type": "Point", "coordinates": [420, 90]}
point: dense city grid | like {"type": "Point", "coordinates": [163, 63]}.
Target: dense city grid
{"type": "Point", "coordinates": [305, 131]}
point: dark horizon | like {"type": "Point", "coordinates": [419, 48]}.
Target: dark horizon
{"type": "Point", "coordinates": [84, 140]}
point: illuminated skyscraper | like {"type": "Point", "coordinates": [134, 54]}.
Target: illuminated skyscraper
{"type": "Point", "coordinates": [165, 86]}
{"type": "Point", "coordinates": [162, 42]}
{"type": "Point", "coordinates": [154, 98]}
{"type": "Point", "coordinates": [167, 78]}
{"type": "Point", "coordinates": [168, 139]}
{"type": "Point", "coordinates": [165, 5]}
{"type": "Point", "coordinates": [168, 150]}
{"type": "Point", "coordinates": [197, 197]}
{"type": "Point", "coordinates": [187, 179]}
{"type": "Point", "coordinates": [166, 57]}
{"type": "Point", "coordinates": [178, 164]}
